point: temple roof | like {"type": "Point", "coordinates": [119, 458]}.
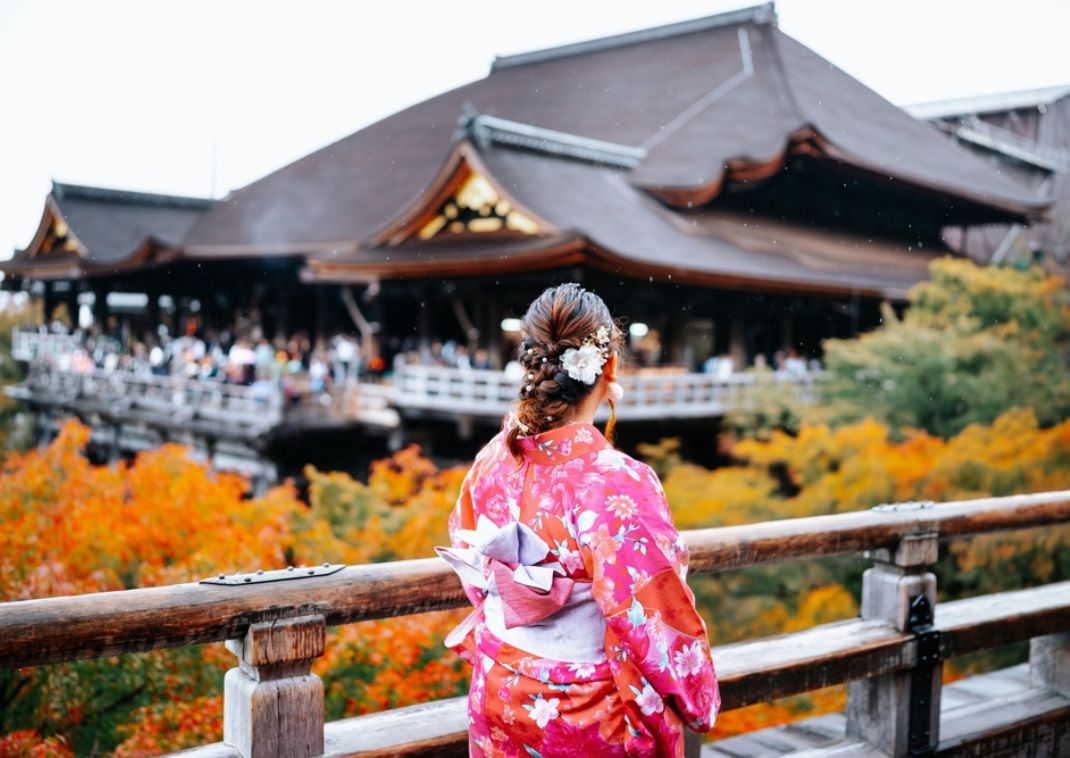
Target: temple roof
{"type": "Point", "coordinates": [730, 92]}
{"type": "Point", "coordinates": [624, 153]}
{"type": "Point", "coordinates": [599, 218]}
{"type": "Point", "coordinates": [86, 230]}
{"type": "Point", "coordinates": [990, 103]}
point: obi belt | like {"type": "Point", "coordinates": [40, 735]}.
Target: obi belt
{"type": "Point", "coordinates": [530, 604]}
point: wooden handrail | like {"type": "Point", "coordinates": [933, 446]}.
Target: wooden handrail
{"type": "Point", "coordinates": [49, 630]}
{"type": "Point", "coordinates": [749, 672]}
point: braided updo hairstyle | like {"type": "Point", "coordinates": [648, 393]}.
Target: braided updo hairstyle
{"type": "Point", "coordinates": [559, 319]}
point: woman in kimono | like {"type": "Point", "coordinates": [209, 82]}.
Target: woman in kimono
{"type": "Point", "coordinates": [584, 640]}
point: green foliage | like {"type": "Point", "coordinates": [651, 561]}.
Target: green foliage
{"type": "Point", "coordinates": [12, 315]}
{"type": "Point", "coordinates": [770, 406]}
{"type": "Point", "coordinates": [974, 343]}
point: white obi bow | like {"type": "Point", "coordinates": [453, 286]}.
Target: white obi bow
{"type": "Point", "coordinates": [514, 544]}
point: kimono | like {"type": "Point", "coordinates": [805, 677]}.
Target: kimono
{"type": "Point", "coordinates": [584, 640]}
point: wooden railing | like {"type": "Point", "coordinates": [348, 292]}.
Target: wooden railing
{"type": "Point", "coordinates": [654, 394]}
{"type": "Point", "coordinates": [215, 409]}
{"type": "Point", "coordinates": [191, 404]}
{"type": "Point", "coordinates": [32, 345]}
{"type": "Point", "coordinates": [274, 706]}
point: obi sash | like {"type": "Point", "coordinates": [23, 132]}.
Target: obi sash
{"type": "Point", "coordinates": [530, 604]}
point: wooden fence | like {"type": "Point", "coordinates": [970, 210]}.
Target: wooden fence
{"type": "Point", "coordinates": [890, 655]}
{"type": "Point", "coordinates": [215, 409]}
{"type": "Point", "coordinates": [650, 394]}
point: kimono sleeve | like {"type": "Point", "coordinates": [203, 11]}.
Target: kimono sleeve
{"type": "Point", "coordinates": [656, 641]}
{"type": "Point", "coordinates": [463, 517]}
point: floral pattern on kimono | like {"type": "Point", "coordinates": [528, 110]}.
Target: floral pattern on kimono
{"type": "Point", "coordinates": [605, 519]}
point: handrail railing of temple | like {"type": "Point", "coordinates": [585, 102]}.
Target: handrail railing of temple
{"type": "Point", "coordinates": [184, 399]}
{"type": "Point", "coordinates": [33, 345]}
{"type": "Point", "coordinates": [647, 394]}
{"type": "Point", "coordinates": [219, 409]}
{"type": "Point", "coordinates": [883, 655]}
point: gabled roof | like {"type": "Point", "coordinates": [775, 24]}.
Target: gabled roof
{"type": "Point", "coordinates": [95, 229]}
{"type": "Point", "coordinates": [601, 219]}
{"type": "Point", "coordinates": [703, 103]}
{"type": "Point", "coordinates": [992, 103]}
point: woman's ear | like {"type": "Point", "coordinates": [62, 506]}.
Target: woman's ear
{"type": "Point", "coordinates": [609, 372]}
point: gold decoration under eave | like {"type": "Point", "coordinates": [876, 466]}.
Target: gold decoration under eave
{"type": "Point", "coordinates": [477, 208]}
{"type": "Point", "coordinates": [58, 237]}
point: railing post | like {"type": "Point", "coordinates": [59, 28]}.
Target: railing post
{"type": "Point", "coordinates": [879, 709]}
{"type": "Point", "coordinates": [272, 703]}
{"type": "Point", "coordinates": [1049, 662]}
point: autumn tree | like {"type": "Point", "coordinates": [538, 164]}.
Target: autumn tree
{"type": "Point", "coordinates": [973, 343]}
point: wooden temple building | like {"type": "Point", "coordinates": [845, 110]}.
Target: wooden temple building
{"type": "Point", "coordinates": [723, 187]}
{"type": "Point", "coordinates": [1026, 135]}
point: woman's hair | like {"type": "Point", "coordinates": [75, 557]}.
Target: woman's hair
{"type": "Point", "coordinates": [562, 317]}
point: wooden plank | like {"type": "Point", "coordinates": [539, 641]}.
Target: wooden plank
{"type": "Point", "coordinates": [1035, 723]}
{"type": "Point", "coordinates": [990, 620]}
{"type": "Point", "coordinates": [746, 545]}
{"type": "Point", "coordinates": [35, 632]}
{"type": "Point", "coordinates": [432, 729]}
{"type": "Point", "coordinates": [1004, 718]}
{"type": "Point", "coordinates": [749, 672]}
{"type": "Point", "coordinates": [757, 671]}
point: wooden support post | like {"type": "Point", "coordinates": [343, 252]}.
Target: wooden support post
{"type": "Point", "coordinates": [273, 705]}
{"type": "Point", "coordinates": [737, 343]}
{"type": "Point", "coordinates": [1049, 663]}
{"type": "Point", "coordinates": [878, 709]}
{"type": "Point", "coordinates": [692, 744]}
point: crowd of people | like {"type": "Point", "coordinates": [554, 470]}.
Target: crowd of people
{"type": "Point", "coordinates": [296, 365]}
{"type": "Point", "coordinates": [241, 357]}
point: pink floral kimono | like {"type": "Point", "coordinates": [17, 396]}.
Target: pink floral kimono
{"type": "Point", "coordinates": [584, 640]}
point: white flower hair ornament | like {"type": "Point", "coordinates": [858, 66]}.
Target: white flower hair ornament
{"type": "Point", "coordinates": [584, 363]}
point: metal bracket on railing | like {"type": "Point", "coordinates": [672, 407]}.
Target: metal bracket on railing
{"type": "Point", "coordinates": [278, 575]}
{"type": "Point", "coordinates": [914, 505]}
{"type": "Point", "coordinates": [920, 622]}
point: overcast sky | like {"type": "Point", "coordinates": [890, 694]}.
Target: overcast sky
{"type": "Point", "coordinates": [141, 95]}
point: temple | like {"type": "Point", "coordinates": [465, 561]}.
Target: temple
{"type": "Point", "coordinates": [731, 193]}
{"type": "Point", "coordinates": [1026, 135]}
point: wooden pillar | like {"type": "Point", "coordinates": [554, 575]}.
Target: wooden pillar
{"type": "Point", "coordinates": [100, 307]}
{"type": "Point", "coordinates": [878, 709]}
{"type": "Point", "coordinates": [49, 302]}
{"type": "Point", "coordinates": [1049, 663]}
{"type": "Point", "coordinates": [272, 703]}
{"type": "Point", "coordinates": [737, 342]}
{"type": "Point", "coordinates": [284, 293]}
{"type": "Point", "coordinates": [152, 310]}
{"type": "Point", "coordinates": [320, 339]}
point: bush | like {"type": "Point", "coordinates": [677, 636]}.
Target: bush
{"type": "Point", "coordinates": [974, 343]}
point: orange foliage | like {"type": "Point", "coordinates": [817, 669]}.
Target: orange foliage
{"type": "Point", "coordinates": [69, 527]}
{"type": "Point", "coordinates": [783, 711]}
{"type": "Point", "coordinates": [28, 743]}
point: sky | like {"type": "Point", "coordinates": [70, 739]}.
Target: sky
{"type": "Point", "coordinates": [201, 97]}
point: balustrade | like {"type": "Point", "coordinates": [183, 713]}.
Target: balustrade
{"type": "Point", "coordinates": [891, 655]}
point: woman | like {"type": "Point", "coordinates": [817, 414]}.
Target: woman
{"type": "Point", "coordinates": [584, 639]}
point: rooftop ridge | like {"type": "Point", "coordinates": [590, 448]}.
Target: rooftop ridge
{"type": "Point", "coordinates": [486, 130]}
{"type": "Point", "coordinates": [995, 101]}
{"type": "Point", "coordinates": [758, 14]}
{"type": "Point", "coordinates": [972, 129]}
{"type": "Point", "coordinates": [61, 190]}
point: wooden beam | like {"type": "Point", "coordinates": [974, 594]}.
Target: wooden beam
{"type": "Point", "coordinates": [749, 672]}
{"type": "Point", "coordinates": [50, 630]}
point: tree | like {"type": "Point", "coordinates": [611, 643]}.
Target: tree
{"type": "Point", "coordinates": [974, 343]}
